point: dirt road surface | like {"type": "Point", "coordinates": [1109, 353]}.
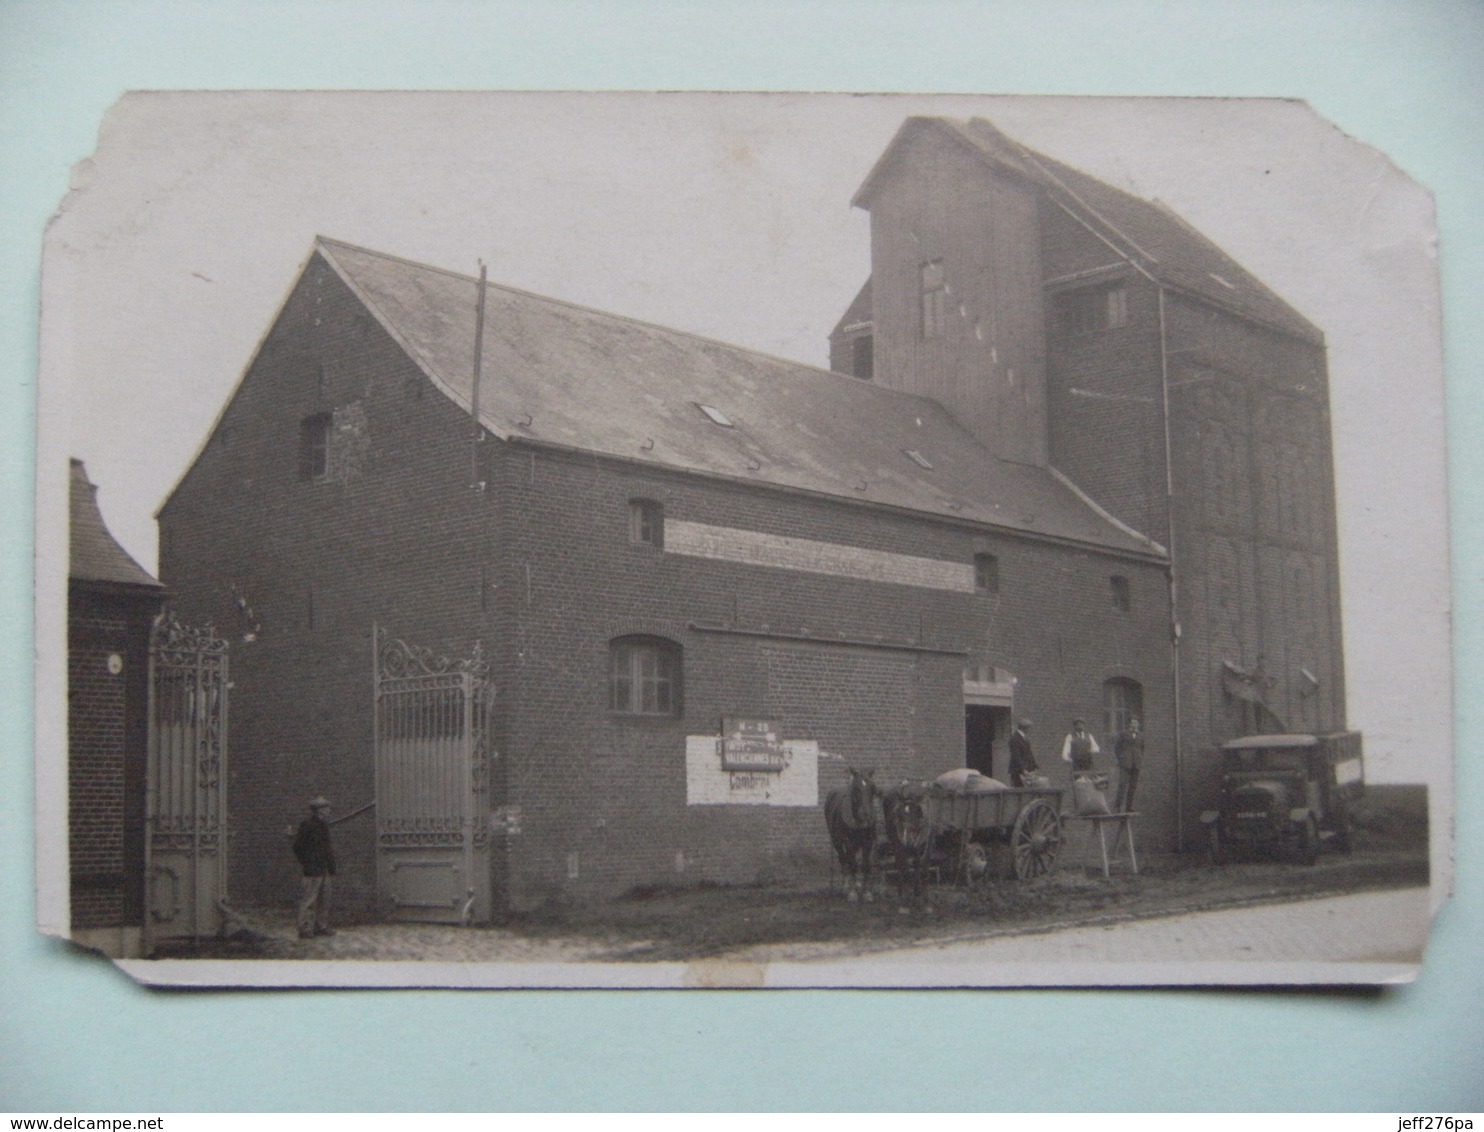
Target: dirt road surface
{"type": "Point", "coordinates": [1355, 938]}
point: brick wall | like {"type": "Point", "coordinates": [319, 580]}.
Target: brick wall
{"type": "Point", "coordinates": [611, 789]}
{"type": "Point", "coordinates": [1105, 412]}
{"type": "Point", "coordinates": [1257, 548]}
{"type": "Point", "coordinates": [1254, 539]}
{"type": "Point", "coordinates": [106, 751]}
{"type": "Point", "coordinates": [985, 362]}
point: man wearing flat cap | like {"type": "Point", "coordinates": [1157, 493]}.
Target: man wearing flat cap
{"type": "Point", "coordinates": [317, 858]}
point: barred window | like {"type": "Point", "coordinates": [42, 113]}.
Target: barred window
{"type": "Point", "coordinates": [644, 676]}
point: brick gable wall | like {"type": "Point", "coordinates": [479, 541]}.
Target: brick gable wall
{"type": "Point", "coordinates": [294, 572]}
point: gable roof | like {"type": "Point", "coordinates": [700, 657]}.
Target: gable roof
{"type": "Point", "coordinates": [1146, 234]}
{"type": "Point", "coordinates": [576, 378]}
{"type": "Point", "coordinates": [95, 555]}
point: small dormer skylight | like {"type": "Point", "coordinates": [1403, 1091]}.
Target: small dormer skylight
{"type": "Point", "coordinates": [714, 415]}
{"type": "Point", "coordinates": [917, 458]}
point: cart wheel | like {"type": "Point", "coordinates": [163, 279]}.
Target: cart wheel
{"type": "Point", "coordinates": [1035, 840]}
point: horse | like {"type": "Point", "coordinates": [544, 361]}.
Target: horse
{"type": "Point", "coordinates": [909, 833]}
{"type": "Point", "coordinates": [850, 817]}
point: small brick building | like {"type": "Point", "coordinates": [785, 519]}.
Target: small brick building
{"type": "Point", "coordinates": [660, 549]}
{"type": "Point", "coordinates": [111, 607]}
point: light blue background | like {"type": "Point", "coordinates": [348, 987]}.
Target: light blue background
{"type": "Point", "coordinates": [1407, 77]}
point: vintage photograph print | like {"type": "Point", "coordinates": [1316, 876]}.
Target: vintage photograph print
{"type": "Point", "coordinates": [580, 539]}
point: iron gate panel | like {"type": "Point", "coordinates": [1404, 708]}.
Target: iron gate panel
{"type": "Point", "coordinates": [432, 784]}
{"type": "Point", "coordinates": [186, 784]}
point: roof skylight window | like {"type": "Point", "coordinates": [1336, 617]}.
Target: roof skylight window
{"type": "Point", "coordinates": [1227, 283]}
{"type": "Point", "coordinates": [917, 458]}
{"type": "Point", "coordinates": [714, 415]}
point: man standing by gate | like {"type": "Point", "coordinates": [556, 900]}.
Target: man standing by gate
{"type": "Point", "coordinates": [317, 858]}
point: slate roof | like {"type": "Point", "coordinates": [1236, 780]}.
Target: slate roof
{"type": "Point", "coordinates": [581, 379]}
{"type": "Point", "coordinates": [95, 554]}
{"type": "Point", "coordinates": [1145, 233]}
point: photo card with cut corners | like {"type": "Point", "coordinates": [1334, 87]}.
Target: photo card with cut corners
{"type": "Point", "coordinates": [747, 540]}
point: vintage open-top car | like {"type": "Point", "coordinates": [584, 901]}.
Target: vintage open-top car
{"type": "Point", "coordinates": [1285, 794]}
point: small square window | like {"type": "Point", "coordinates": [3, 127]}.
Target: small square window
{"type": "Point", "coordinates": [314, 446]}
{"type": "Point", "coordinates": [647, 523]}
{"type": "Point", "coordinates": [986, 574]}
{"type": "Point", "coordinates": [1119, 593]}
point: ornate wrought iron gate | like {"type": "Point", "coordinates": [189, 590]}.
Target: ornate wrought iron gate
{"type": "Point", "coordinates": [186, 784]}
{"type": "Point", "coordinates": [432, 783]}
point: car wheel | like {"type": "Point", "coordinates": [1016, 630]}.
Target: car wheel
{"type": "Point", "coordinates": [1344, 838]}
{"type": "Point", "coordinates": [1216, 851]}
{"type": "Point", "coordinates": [1308, 845]}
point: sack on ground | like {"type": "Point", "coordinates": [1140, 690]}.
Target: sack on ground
{"type": "Point", "coordinates": [1088, 799]}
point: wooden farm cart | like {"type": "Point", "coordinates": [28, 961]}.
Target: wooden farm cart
{"type": "Point", "coordinates": [967, 825]}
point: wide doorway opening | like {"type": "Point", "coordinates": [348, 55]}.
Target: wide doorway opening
{"type": "Point", "coordinates": [988, 709]}
{"type": "Point", "coordinates": [987, 733]}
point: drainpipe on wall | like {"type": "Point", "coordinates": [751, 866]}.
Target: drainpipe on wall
{"type": "Point", "coordinates": [1164, 381]}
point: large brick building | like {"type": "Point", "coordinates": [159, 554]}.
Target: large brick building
{"type": "Point", "coordinates": [638, 534]}
{"type": "Point", "coordinates": [1070, 325]}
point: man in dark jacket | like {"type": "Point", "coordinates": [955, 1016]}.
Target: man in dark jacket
{"type": "Point", "coordinates": [317, 858]}
{"type": "Point", "coordinates": [1022, 762]}
{"type": "Point", "coordinates": [1129, 751]}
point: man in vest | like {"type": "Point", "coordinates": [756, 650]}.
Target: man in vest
{"type": "Point", "coordinates": [317, 858]}
{"type": "Point", "coordinates": [1078, 748]}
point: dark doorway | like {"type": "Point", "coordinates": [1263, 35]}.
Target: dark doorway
{"type": "Point", "coordinates": [983, 726]}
